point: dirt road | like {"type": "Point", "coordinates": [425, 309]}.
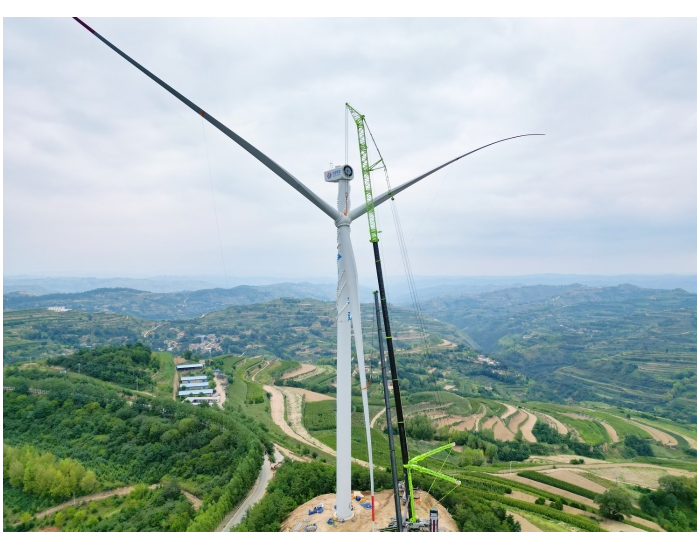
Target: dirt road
{"type": "Point", "coordinates": [121, 491]}
{"type": "Point", "coordinates": [525, 525]}
{"type": "Point", "coordinates": [295, 416]}
{"type": "Point", "coordinates": [376, 417]}
{"type": "Point", "coordinates": [220, 389]}
{"type": "Point", "coordinates": [295, 428]}
{"type": "Point", "coordinates": [303, 369]}
{"type": "Point", "coordinates": [256, 493]}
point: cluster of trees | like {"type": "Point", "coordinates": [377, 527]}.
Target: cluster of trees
{"type": "Point", "coordinates": [218, 453]}
{"type": "Point", "coordinates": [162, 509]}
{"type": "Point", "coordinates": [44, 475]}
{"type": "Point", "coordinates": [635, 445]}
{"type": "Point", "coordinates": [420, 427]}
{"type": "Point", "coordinates": [547, 434]}
{"type": "Point", "coordinates": [123, 365]}
{"type": "Point", "coordinates": [674, 503]}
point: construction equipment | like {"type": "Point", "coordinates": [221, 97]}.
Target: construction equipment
{"type": "Point", "coordinates": [316, 510]}
{"type": "Point", "coordinates": [311, 527]}
{"type": "Point", "coordinates": [413, 466]}
{"type": "Point", "coordinates": [374, 239]}
{"type": "Point", "coordinates": [409, 465]}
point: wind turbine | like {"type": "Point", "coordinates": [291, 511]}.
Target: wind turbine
{"type": "Point", "coordinates": [347, 301]}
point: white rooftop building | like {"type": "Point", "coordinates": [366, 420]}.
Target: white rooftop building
{"type": "Point", "coordinates": [190, 366]}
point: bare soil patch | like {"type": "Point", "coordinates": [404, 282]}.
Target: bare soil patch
{"type": "Point", "coordinates": [510, 409]}
{"type": "Point", "coordinates": [377, 417]}
{"type": "Point", "coordinates": [452, 420]}
{"type": "Point", "coordinates": [643, 476]}
{"type": "Point", "coordinates": [303, 369]}
{"type": "Point", "coordinates": [501, 432]}
{"type": "Point", "coordinates": [447, 344]}
{"type": "Point", "coordinates": [658, 435]}
{"type": "Point", "coordinates": [549, 489]}
{"type": "Point", "coordinates": [489, 423]}
{"type": "Point", "coordinates": [472, 420]}
{"type": "Point", "coordinates": [611, 431]}
{"type": "Point", "coordinates": [196, 502]}
{"type": "Point", "coordinates": [362, 520]}
{"type": "Point", "coordinates": [517, 419]}
{"type": "Point", "coordinates": [525, 525]}
{"type": "Point", "coordinates": [310, 396]}
{"type": "Point", "coordinates": [277, 412]}
{"type": "Point", "coordinates": [527, 428]}
{"type": "Point", "coordinates": [221, 384]}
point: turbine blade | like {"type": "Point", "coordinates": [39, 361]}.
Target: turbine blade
{"type": "Point", "coordinates": [357, 212]}
{"type": "Point", "coordinates": [264, 159]}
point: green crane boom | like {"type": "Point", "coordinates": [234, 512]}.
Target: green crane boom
{"type": "Point", "coordinates": [413, 466]}
{"type": "Point", "coordinates": [366, 171]}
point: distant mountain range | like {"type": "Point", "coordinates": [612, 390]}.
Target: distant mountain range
{"type": "Point", "coordinates": [172, 305]}
{"type": "Point", "coordinates": [397, 288]}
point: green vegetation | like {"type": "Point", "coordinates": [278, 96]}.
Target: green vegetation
{"type": "Point", "coordinates": [162, 509]}
{"type": "Point", "coordinates": [43, 475]}
{"type": "Point", "coordinates": [124, 365]}
{"type": "Point", "coordinates": [674, 504]}
{"type": "Point", "coordinates": [216, 455]}
{"type": "Point", "coordinates": [636, 446]}
{"type": "Point", "coordinates": [420, 427]}
{"type": "Point", "coordinates": [36, 334]}
{"type": "Point", "coordinates": [319, 415]}
{"type": "Point", "coordinates": [614, 504]}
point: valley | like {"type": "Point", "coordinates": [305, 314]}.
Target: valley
{"type": "Point", "coordinates": [272, 369]}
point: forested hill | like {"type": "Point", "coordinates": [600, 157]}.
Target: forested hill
{"type": "Point", "coordinates": [125, 440]}
{"type": "Point", "coordinates": [623, 345]}
{"type": "Point", "coordinates": [167, 306]}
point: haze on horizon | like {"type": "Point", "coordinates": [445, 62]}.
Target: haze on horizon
{"type": "Point", "coordinates": [106, 174]}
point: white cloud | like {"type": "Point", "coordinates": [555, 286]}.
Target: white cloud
{"type": "Point", "coordinates": [105, 171]}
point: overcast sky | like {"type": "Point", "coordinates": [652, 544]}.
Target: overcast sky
{"type": "Point", "coordinates": [107, 174]}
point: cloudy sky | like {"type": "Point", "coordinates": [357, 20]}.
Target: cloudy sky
{"type": "Point", "coordinates": [106, 174]}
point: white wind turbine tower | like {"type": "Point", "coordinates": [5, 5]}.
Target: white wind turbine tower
{"type": "Point", "coordinates": [348, 303]}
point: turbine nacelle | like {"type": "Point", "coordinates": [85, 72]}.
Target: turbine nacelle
{"type": "Point", "coordinates": [339, 173]}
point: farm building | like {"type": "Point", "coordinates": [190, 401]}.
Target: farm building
{"type": "Point", "coordinates": [195, 392]}
{"type": "Point", "coordinates": [190, 366]}
{"type": "Point", "coordinates": [198, 400]}
{"type": "Point", "coordinates": [193, 385]}
{"type": "Point", "coordinates": [193, 378]}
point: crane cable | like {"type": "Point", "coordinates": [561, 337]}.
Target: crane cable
{"type": "Point", "coordinates": [409, 276]}
{"type": "Point", "coordinates": [213, 200]}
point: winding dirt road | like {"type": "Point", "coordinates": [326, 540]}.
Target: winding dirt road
{"type": "Point", "coordinates": [295, 428]}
